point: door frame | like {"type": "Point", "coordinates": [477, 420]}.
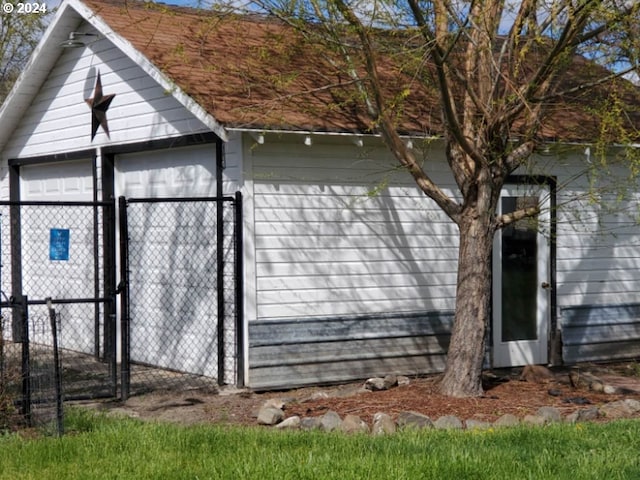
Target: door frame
{"type": "Point", "coordinates": [553, 335]}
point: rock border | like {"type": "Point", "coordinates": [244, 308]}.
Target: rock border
{"type": "Point", "coordinates": [272, 413]}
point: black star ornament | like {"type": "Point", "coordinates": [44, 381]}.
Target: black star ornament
{"type": "Point", "coordinates": [99, 105]}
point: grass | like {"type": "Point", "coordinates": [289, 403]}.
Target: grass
{"type": "Point", "coordinates": [106, 448]}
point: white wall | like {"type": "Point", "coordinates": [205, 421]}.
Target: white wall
{"type": "Point", "coordinates": [59, 120]}
{"type": "Point", "coordinates": [598, 235]}
{"type": "Point", "coordinates": [339, 230]}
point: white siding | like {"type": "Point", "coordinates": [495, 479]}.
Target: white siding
{"type": "Point", "coordinates": [598, 244]}
{"type": "Point", "coordinates": [232, 174]}
{"type": "Point", "coordinates": [340, 231]}
{"type": "Point", "coordinates": [59, 120]}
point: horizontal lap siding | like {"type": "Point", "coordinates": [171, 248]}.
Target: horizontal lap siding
{"type": "Point", "coordinates": [59, 120]}
{"type": "Point", "coordinates": [598, 273]}
{"type": "Point", "coordinates": [286, 352]}
{"type": "Point", "coordinates": [598, 333]}
{"type": "Point", "coordinates": [598, 257]}
{"type": "Point", "coordinates": [339, 232]}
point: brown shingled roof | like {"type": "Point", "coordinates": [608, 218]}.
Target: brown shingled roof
{"type": "Point", "coordinates": [255, 72]}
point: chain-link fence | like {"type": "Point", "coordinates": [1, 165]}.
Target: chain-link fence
{"type": "Point", "coordinates": [61, 251]}
{"type": "Point", "coordinates": [180, 313]}
{"type": "Point", "coordinates": [180, 320]}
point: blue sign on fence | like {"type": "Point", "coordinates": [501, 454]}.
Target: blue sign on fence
{"type": "Point", "coordinates": [59, 244]}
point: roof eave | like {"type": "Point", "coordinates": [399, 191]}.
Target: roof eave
{"type": "Point", "coordinates": [36, 71]}
{"type": "Point", "coordinates": [69, 16]}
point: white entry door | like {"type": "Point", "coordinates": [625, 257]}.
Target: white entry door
{"type": "Point", "coordinates": [521, 280]}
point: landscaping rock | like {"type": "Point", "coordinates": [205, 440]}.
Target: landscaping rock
{"type": "Point", "coordinates": [448, 422]}
{"type": "Point", "coordinates": [507, 420]}
{"type": "Point", "coordinates": [375, 384]}
{"type": "Point", "coordinates": [383, 424]}
{"type": "Point", "coordinates": [274, 403]}
{"type": "Point", "coordinates": [414, 420]}
{"type": "Point", "coordinates": [310, 423]}
{"type": "Point", "coordinates": [473, 424]}
{"type": "Point", "coordinates": [402, 380]}
{"type": "Point", "coordinates": [270, 416]}
{"type": "Point", "coordinates": [585, 380]}
{"type": "Point", "coordinates": [585, 415]}
{"type": "Point", "coordinates": [534, 420]}
{"type": "Point", "coordinates": [354, 424]}
{"type": "Point", "coordinates": [330, 421]}
{"type": "Point", "coordinates": [549, 414]}
{"type": "Point", "coordinates": [620, 408]}
{"type": "Point", "coordinates": [390, 381]}
{"type": "Point", "coordinates": [290, 423]}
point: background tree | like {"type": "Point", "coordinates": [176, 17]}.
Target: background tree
{"type": "Point", "coordinates": [19, 34]}
{"type": "Point", "coordinates": [499, 68]}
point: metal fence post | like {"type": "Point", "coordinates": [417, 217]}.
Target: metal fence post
{"type": "Point", "coordinates": [57, 368]}
{"type": "Point", "coordinates": [123, 290]}
{"type": "Point", "coordinates": [26, 360]}
{"type": "Point", "coordinates": [220, 285]}
{"type": "Point", "coordinates": [239, 289]}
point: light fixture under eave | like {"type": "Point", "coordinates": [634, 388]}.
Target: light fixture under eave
{"type": "Point", "coordinates": [74, 42]}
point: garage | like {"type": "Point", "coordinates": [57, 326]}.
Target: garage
{"type": "Point", "coordinates": [172, 261]}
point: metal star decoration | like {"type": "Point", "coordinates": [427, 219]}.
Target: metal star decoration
{"type": "Point", "coordinates": [99, 105]}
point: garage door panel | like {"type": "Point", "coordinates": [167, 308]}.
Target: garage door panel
{"type": "Point", "coordinates": [61, 181]}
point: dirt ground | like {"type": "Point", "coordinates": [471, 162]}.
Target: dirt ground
{"type": "Point", "coordinates": [505, 392]}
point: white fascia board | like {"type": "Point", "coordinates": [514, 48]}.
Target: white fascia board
{"type": "Point", "coordinates": [149, 68]}
{"type": "Point", "coordinates": [35, 72]}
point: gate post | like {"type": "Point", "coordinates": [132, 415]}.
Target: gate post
{"type": "Point", "coordinates": [26, 360]}
{"type": "Point", "coordinates": [123, 290]}
{"type": "Point", "coordinates": [239, 283]}
{"type": "Point", "coordinates": [220, 284]}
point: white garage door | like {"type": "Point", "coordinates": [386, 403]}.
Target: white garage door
{"type": "Point", "coordinates": [172, 259]}
{"type": "Point", "coordinates": [184, 172]}
{"type": "Point", "coordinates": [58, 253]}
{"type": "Point", "coordinates": [64, 181]}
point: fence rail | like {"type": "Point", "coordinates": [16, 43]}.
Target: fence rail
{"type": "Point", "coordinates": [180, 295]}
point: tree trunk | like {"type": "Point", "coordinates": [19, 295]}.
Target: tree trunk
{"type": "Point", "coordinates": [463, 373]}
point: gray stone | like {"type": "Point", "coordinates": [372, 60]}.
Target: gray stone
{"type": "Point", "coordinates": [507, 420]}
{"type": "Point", "coordinates": [390, 381]}
{"type": "Point", "coordinates": [354, 424]}
{"type": "Point", "coordinates": [319, 396]}
{"type": "Point", "coordinates": [611, 390]}
{"type": "Point", "coordinates": [587, 414]}
{"type": "Point", "coordinates": [634, 405]}
{"type": "Point", "coordinates": [330, 421]}
{"type": "Point", "coordinates": [383, 424]}
{"type": "Point", "coordinates": [375, 384]}
{"type": "Point", "coordinates": [549, 414]}
{"type": "Point", "coordinates": [270, 416]}
{"type": "Point", "coordinates": [619, 408]}
{"type": "Point", "coordinates": [535, 420]}
{"type": "Point", "coordinates": [289, 423]}
{"type": "Point", "coordinates": [274, 403]}
{"type": "Point", "coordinates": [448, 422]}
{"type": "Point", "coordinates": [585, 380]}
{"type": "Point", "coordinates": [473, 424]}
{"type": "Point", "coordinates": [414, 420]}
{"type": "Point", "coordinates": [310, 423]}
{"type": "Point", "coordinates": [403, 380]}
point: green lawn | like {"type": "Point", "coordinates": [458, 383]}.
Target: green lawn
{"type": "Point", "coordinates": [102, 448]}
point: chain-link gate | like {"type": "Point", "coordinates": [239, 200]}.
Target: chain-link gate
{"type": "Point", "coordinates": [181, 324]}
{"type": "Point", "coordinates": [60, 253]}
